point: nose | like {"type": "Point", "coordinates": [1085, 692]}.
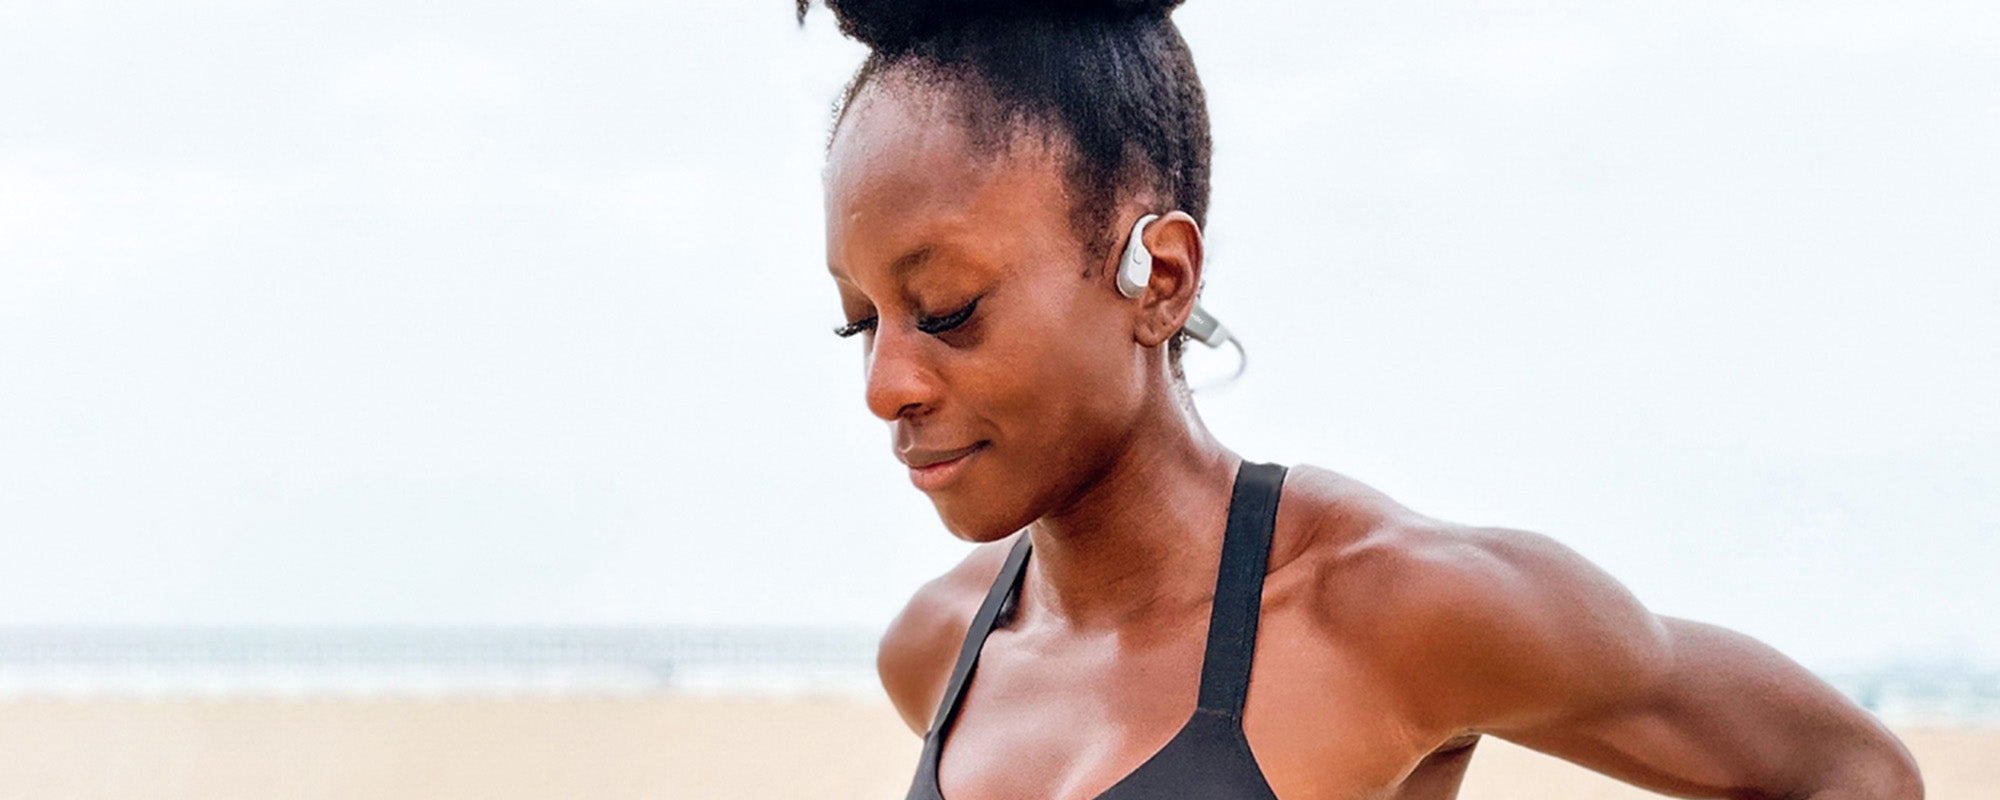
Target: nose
{"type": "Point", "coordinates": [900, 385]}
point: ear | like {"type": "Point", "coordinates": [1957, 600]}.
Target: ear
{"type": "Point", "coordinates": [1175, 241]}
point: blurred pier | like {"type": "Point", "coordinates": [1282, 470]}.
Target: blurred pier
{"type": "Point", "coordinates": [437, 661]}
{"type": "Point", "coordinates": [340, 660]}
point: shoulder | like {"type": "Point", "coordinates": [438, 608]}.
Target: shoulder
{"type": "Point", "coordinates": [1480, 624]}
{"type": "Point", "coordinates": [917, 652]}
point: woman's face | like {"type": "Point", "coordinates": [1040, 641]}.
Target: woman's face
{"type": "Point", "coordinates": [1001, 354]}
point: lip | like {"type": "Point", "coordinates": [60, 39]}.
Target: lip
{"type": "Point", "coordinates": [933, 469]}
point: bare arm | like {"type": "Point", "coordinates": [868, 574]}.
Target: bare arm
{"type": "Point", "coordinates": [1560, 658]}
{"type": "Point", "coordinates": [1731, 717]}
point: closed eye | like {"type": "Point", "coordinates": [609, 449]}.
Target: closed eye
{"type": "Point", "coordinates": [937, 325]}
{"type": "Point", "coordinates": [857, 326]}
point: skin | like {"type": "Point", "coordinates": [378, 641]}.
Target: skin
{"type": "Point", "coordinates": [1389, 641]}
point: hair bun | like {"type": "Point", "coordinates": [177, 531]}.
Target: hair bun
{"type": "Point", "coordinates": [893, 25]}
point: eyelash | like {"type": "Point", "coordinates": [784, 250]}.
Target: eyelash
{"type": "Point", "coordinates": [937, 325]}
{"type": "Point", "coordinates": [930, 325]}
{"type": "Point", "coordinates": [852, 328]}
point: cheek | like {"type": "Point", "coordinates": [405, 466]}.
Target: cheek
{"type": "Point", "coordinates": [1068, 388]}
{"type": "Point", "coordinates": [1050, 433]}
{"type": "Point", "coordinates": [1056, 406]}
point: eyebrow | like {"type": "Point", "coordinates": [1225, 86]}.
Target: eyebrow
{"type": "Point", "coordinates": [902, 266]}
{"type": "Point", "coordinates": [910, 261]}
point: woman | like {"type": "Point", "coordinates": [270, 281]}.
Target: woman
{"type": "Point", "coordinates": [1149, 615]}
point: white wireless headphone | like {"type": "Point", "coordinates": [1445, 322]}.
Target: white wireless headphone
{"type": "Point", "coordinates": [1135, 268]}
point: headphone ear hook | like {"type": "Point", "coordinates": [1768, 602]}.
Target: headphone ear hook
{"type": "Point", "coordinates": [1135, 265]}
{"type": "Point", "coordinates": [1135, 270]}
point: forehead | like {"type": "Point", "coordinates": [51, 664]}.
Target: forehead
{"type": "Point", "coordinates": [905, 171]}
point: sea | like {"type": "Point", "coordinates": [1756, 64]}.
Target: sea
{"type": "Point", "coordinates": [84, 663]}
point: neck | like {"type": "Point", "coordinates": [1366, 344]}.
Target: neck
{"type": "Point", "coordinates": [1144, 536]}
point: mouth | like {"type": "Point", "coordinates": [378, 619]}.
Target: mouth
{"type": "Point", "coordinates": [933, 469]}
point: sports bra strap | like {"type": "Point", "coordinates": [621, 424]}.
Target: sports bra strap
{"type": "Point", "coordinates": [1239, 588]}
{"type": "Point", "coordinates": [1004, 584]}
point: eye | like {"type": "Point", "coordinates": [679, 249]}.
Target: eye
{"type": "Point", "coordinates": [937, 325]}
{"type": "Point", "coordinates": [857, 326]}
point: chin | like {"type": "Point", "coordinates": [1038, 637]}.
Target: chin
{"type": "Point", "coordinates": [978, 522]}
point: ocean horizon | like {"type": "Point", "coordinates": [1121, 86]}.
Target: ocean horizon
{"type": "Point", "coordinates": [286, 662]}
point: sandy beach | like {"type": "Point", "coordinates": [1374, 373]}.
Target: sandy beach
{"type": "Point", "coordinates": [660, 746]}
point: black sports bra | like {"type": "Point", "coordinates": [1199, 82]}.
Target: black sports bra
{"type": "Point", "coordinates": [1209, 758]}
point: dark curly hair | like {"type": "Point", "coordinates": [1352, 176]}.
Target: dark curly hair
{"type": "Point", "coordinates": [1112, 79]}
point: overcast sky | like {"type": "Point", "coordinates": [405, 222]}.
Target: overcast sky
{"type": "Point", "coordinates": [443, 313]}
